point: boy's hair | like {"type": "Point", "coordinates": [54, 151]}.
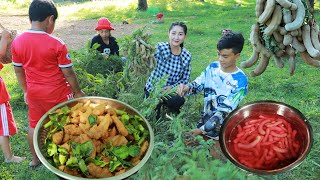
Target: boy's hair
{"type": "Point", "coordinates": [39, 10]}
{"type": "Point", "coordinates": [231, 40]}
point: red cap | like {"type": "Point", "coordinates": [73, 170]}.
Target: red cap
{"type": "Point", "coordinates": [159, 15]}
{"type": "Point", "coordinates": [104, 23]}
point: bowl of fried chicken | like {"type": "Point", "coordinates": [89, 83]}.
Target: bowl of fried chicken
{"type": "Point", "coordinates": [93, 138]}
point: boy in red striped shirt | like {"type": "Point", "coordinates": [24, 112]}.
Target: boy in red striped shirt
{"type": "Point", "coordinates": [43, 66]}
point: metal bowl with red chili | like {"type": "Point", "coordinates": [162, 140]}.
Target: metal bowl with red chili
{"type": "Point", "coordinates": [266, 137]}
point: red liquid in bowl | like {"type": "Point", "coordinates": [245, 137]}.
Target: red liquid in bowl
{"type": "Point", "coordinates": [265, 142]}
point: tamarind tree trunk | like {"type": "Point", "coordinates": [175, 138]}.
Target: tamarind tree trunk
{"type": "Point", "coordinates": [142, 5]}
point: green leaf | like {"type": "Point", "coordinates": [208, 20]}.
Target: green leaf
{"type": "Point", "coordinates": [134, 151]}
{"type": "Point", "coordinates": [83, 167]}
{"type": "Point", "coordinates": [114, 164]}
{"type": "Point", "coordinates": [52, 149]}
{"type": "Point", "coordinates": [96, 161]}
{"type": "Point", "coordinates": [92, 120]}
{"type": "Point", "coordinates": [121, 151]}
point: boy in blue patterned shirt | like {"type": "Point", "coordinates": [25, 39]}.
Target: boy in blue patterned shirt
{"type": "Point", "coordinates": [223, 83]}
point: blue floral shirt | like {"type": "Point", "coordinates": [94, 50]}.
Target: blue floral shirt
{"type": "Point", "coordinates": [222, 91]}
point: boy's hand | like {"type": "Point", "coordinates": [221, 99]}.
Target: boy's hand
{"type": "Point", "coordinates": [196, 132]}
{"type": "Point", "coordinates": [182, 90]}
{"type": "Point", "coordinates": [6, 34]}
{"type": "Point", "coordinates": [79, 94]}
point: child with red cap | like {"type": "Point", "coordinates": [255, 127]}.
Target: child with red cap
{"type": "Point", "coordinates": [108, 43]}
{"type": "Point", "coordinates": [43, 67]}
{"type": "Point", "coordinates": [7, 124]}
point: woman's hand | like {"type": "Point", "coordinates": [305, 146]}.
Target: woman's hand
{"type": "Point", "coordinates": [167, 88]}
{"type": "Point", "coordinates": [182, 90]}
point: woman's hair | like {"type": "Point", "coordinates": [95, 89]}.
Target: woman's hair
{"type": "Point", "coordinates": [39, 10]}
{"type": "Point", "coordinates": [181, 24]}
{"type": "Point", "coordinates": [231, 40]}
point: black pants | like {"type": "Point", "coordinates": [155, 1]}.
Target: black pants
{"type": "Point", "coordinates": [172, 102]}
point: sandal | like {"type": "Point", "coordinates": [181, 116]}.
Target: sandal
{"type": "Point", "coordinates": [34, 164]}
{"type": "Point", "coordinates": [15, 159]}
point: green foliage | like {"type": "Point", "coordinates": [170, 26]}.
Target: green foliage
{"type": "Point", "coordinates": [99, 75]}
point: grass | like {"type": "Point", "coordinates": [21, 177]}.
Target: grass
{"type": "Point", "coordinates": [205, 22]}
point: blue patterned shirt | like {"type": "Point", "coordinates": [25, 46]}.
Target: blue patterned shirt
{"type": "Point", "coordinates": [222, 91]}
{"type": "Point", "coordinates": [177, 67]}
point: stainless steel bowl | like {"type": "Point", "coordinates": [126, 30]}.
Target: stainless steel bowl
{"type": "Point", "coordinates": [238, 116]}
{"type": "Point", "coordinates": [39, 133]}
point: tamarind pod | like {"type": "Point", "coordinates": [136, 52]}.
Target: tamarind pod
{"type": "Point", "coordinates": [314, 35]}
{"type": "Point", "coordinates": [266, 52]}
{"type": "Point", "coordinates": [287, 4]}
{"type": "Point", "coordinates": [262, 66]}
{"type": "Point", "coordinates": [256, 42]}
{"type": "Point", "coordinates": [281, 46]}
{"type": "Point", "coordinates": [300, 13]}
{"type": "Point", "coordinates": [143, 49]}
{"type": "Point", "coordinates": [292, 63]}
{"type": "Point", "coordinates": [259, 7]}
{"type": "Point", "coordinates": [299, 32]}
{"type": "Point", "coordinates": [287, 39]}
{"type": "Point", "coordinates": [145, 44]}
{"type": "Point", "coordinates": [287, 16]}
{"type": "Point", "coordinates": [299, 38]}
{"type": "Point", "coordinates": [275, 21]}
{"type": "Point", "coordinates": [267, 12]}
{"type": "Point", "coordinates": [297, 45]}
{"type": "Point", "coordinates": [148, 53]}
{"type": "Point", "coordinates": [277, 36]}
{"type": "Point", "coordinates": [280, 53]}
{"type": "Point", "coordinates": [294, 33]}
{"type": "Point", "coordinates": [151, 61]}
{"type": "Point", "coordinates": [278, 60]}
{"type": "Point", "coordinates": [307, 41]}
{"type": "Point", "coordinates": [137, 47]}
{"type": "Point", "coordinates": [290, 51]}
{"type": "Point", "coordinates": [282, 30]}
{"type": "Point", "coordinates": [252, 60]}
{"type": "Point", "coordinates": [309, 60]}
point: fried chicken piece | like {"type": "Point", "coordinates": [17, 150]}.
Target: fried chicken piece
{"type": "Point", "coordinates": [98, 171]}
{"type": "Point", "coordinates": [75, 120]}
{"type": "Point", "coordinates": [66, 146]}
{"type": "Point", "coordinates": [84, 115]}
{"type": "Point", "coordinates": [120, 126]}
{"type": "Point", "coordinates": [97, 145]}
{"type": "Point", "coordinates": [76, 109]}
{"type": "Point", "coordinates": [72, 129]}
{"type": "Point", "coordinates": [117, 140]}
{"type": "Point", "coordinates": [94, 132]}
{"type": "Point", "coordinates": [66, 138]}
{"type": "Point", "coordinates": [104, 125]}
{"type": "Point", "coordinates": [70, 171]}
{"type": "Point", "coordinates": [99, 110]}
{"type": "Point", "coordinates": [112, 132]}
{"type": "Point", "coordinates": [84, 127]}
{"type": "Point", "coordinates": [82, 138]}
{"type": "Point", "coordinates": [57, 137]}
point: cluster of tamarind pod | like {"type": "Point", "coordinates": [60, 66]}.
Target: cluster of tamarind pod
{"type": "Point", "coordinates": [140, 53]}
{"type": "Point", "coordinates": [283, 29]}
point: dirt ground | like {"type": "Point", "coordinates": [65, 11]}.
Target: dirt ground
{"type": "Point", "coordinates": [74, 33]}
